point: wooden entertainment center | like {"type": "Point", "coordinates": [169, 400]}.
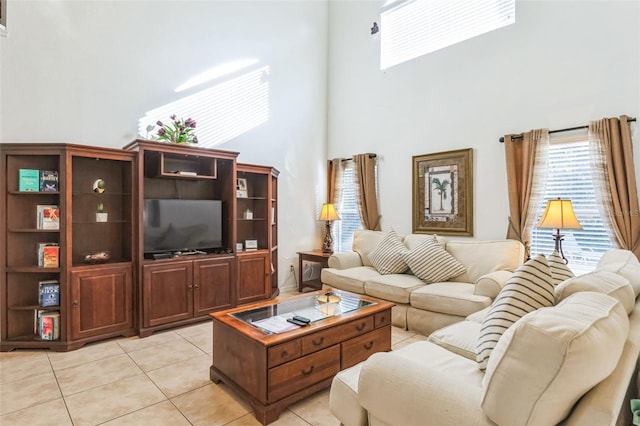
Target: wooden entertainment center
{"type": "Point", "coordinates": [128, 293]}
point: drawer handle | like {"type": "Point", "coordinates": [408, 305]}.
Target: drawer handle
{"type": "Point", "coordinates": [369, 345]}
{"type": "Point", "coordinates": [318, 343]}
{"type": "Point", "coordinates": [306, 373]}
{"type": "Point", "coordinates": [284, 354]}
{"type": "Point", "coordinates": [361, 326]}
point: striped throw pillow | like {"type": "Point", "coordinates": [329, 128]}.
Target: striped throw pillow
{"type": "Point", "coordinates": [528, 289]}
{"type": "Point", "coordinates": [387, 256]}
{"type": "Point", "coordinates": [559, 270]}
{"type": "Point", "coordinates": [432, 263]}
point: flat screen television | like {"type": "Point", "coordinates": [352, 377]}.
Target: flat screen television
{"type": "Point", "coordinates": [181, 225]}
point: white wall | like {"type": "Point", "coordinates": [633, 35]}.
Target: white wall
{"type": "Point", "coordinates": [86, 71]}
{"type": "Point", "coordinates": [560, 65]}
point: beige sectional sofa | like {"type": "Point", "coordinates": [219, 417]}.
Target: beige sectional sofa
{"type": "Point", "coordinates": [420, 307]}
{"type": "Point", "coordinates": [574, 363]}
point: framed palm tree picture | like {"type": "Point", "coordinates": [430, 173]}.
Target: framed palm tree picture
{"type": "Point", "coordinates": [443, 193]}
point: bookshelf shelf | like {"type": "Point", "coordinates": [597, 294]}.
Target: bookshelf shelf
{"type": "Point", "coordinates": [22, 193]}
{"type": "Point", "coordinates": [35, 231]}
{"type": "Point", "coordinates": [33, 269]}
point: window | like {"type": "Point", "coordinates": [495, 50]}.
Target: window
{"type": "Point", "coordinates": [412, 28]}
{"type": "Point", "coordinates": [569, 177]}
{"type": "Point", "coordinates": [348, 210]}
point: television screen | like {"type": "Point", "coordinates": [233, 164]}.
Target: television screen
{"type": "Point", "coordinates": [181, 225]}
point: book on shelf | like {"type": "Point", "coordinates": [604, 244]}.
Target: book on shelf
{"type": "Point", "coordinates": [48, 255]}
{"type": "Point", "coordinates": [49, 181]}
{"type": "Point", "coordinates": [47, 216]}
{"type": "Point", "coordinates": [49, 293]}
{"type": "Point", "coordinates": [49, 325]}
{"type": "Point", "coordinates": [28, 180]}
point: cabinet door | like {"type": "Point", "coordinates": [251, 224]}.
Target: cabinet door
{"type": "Point", "coordinates": [101, 301]}
{"type": "Point", "coordinates": [253, 277]}
{"type": "Point", "coordinates": [212, 280]}
{"type": "Point", "coordinates": [167, 293]}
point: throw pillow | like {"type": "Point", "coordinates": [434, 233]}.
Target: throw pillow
{"type": "Point", "coordinates": [432, 263]}
{"type": "Point", "coordinates": [528, 289]}
{"type": "Point", "coordinates": [559, 269]}
{"type": "Point", "coordinates": [387, 256]}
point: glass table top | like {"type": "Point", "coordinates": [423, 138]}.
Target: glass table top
{"type": "Point", "coordinates": [273, 318]}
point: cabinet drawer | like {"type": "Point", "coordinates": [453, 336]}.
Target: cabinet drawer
{"type": "Point", "coordinates": [293, 376]}
{"type": "Point", "coordinates": [284, 352]}
{"type": "Point", "coordinates": [383, 318]}
{"type": "Point", "coordinates": [360, 348]}
{"type": "Point", "coordinates": [323, 339]}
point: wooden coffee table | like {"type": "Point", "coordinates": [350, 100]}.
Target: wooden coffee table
{"type": "Point", "coordinates": [272, 370]}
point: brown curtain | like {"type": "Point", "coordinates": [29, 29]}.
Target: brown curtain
{"type": "Point", "coordinates": [526, 162]}
{"type": "Point", "coordinates": [617, 193]}
{"type": "Point", "coordinates": [365, 180]}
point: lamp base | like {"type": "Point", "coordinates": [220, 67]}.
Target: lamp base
{"type": "Point", "coordinates": [557, 237]}
{"type": "Point", "coordinates": [327, 243]}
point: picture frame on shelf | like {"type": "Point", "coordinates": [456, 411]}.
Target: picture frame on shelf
{"type": "Point", "coordinates": [241, 188]}
{"type": "Point", "coordinates": [443, 193]}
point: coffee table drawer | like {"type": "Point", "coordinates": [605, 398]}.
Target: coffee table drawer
{"type": "Point", "coordinates": [293, 376]}
{"type": "Point", "coordinates": [383, 318]}
{"type": "Point", "coordinates": [333, 336]}
{"type": "Point", "coordinates": [361, 347]}
{"type": "Point", "coordinates": [284, 352]}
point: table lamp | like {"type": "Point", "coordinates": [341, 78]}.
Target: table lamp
{"type": "Point", "coordinates": [328, 214]}
{"type": "Point", "coordinates": [559, 214]}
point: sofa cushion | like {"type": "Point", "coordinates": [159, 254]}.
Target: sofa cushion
{"type": "Point", "coordinates": [394, 288]}
{"type": "Point", "coordinates": [449, 298]}
{"type": "Point", "coordinates": [482, 257]}
{"type": "Point", "coordinates": [559, 269]}
{"type": "Point", "coordinates": [351, 279]}
{"type": "Point", "coordinates": [478, 316]}
{"type": "Point", "coordinates": [624, 263]}
{"type": "Point", "coordinates": [364, 242]}
{"type": "Point", "coordinates": [601, 282]}
{"type": "Point", "coordinates": [412, 241]}
{"type": "Point", "coordinates": [431, 263]}
{"type": "Point", "coordinates": [551, 357]}
{"type": "Point", "coordinates": [387, 256]}
{"type": "Point", "coordinates": [459, 338]}
{"type": "Point", "coordinates": [528, 289]}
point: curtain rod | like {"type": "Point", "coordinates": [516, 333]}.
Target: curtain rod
{"type": "Point", "coordinates": [568, 129]}
{"type": "Point", "coordinates": [369, 153]}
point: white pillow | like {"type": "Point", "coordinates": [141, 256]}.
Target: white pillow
{"type": "Point", "coordinates": [550, 358]}
{"type": "Point", "coordinates": [559, 269]}
{"type": "Point", "coordinates": [603, 282]}
{"type": "Point", "coordinates": [431, 263]}
{"type": "Point", "coordinates": [623, 263]}
{"type": "Point", "coordinates": [387, 256]}
{"type": "Point", "coordinates": [528, 289]}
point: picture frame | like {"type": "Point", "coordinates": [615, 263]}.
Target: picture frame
{"type": "Point", "coordinates": [442, 190]}
{"type": "Point", "coordinates": [241, 188]}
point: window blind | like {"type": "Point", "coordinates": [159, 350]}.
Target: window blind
{"type": "Point", "coordinates": [350, 218]}
{"type": "Point", "coordinates": [414, 28]}
{"type": "Point", "coordinates": [569, 177]}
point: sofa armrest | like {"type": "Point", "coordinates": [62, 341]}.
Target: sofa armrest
{"type": "Point", "coordinates": [345, 260]}
{"type": "Point", "coordinates": [400, 390]}
{"type": "Point", "coordinates": [490, 284]}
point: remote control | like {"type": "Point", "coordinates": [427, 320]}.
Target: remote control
{"type": "Point", "coordinates": [296, 322]}
{"type": "Point", "coordinates": [301, 319]}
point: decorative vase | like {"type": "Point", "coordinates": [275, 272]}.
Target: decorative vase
{"type": "Point", "coordinates": [101, 217]}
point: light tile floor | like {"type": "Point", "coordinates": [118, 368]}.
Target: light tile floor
{"type": "Point", "coordinates": [162, 379]}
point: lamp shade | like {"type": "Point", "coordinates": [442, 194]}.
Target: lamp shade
{"type": "Point", "coordinates": [328, 212]}
{"type": "Point", "coordinates": [559, 214]}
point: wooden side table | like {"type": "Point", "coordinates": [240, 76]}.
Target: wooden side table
{"type": "Point", "coordinates": [316, 256]}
